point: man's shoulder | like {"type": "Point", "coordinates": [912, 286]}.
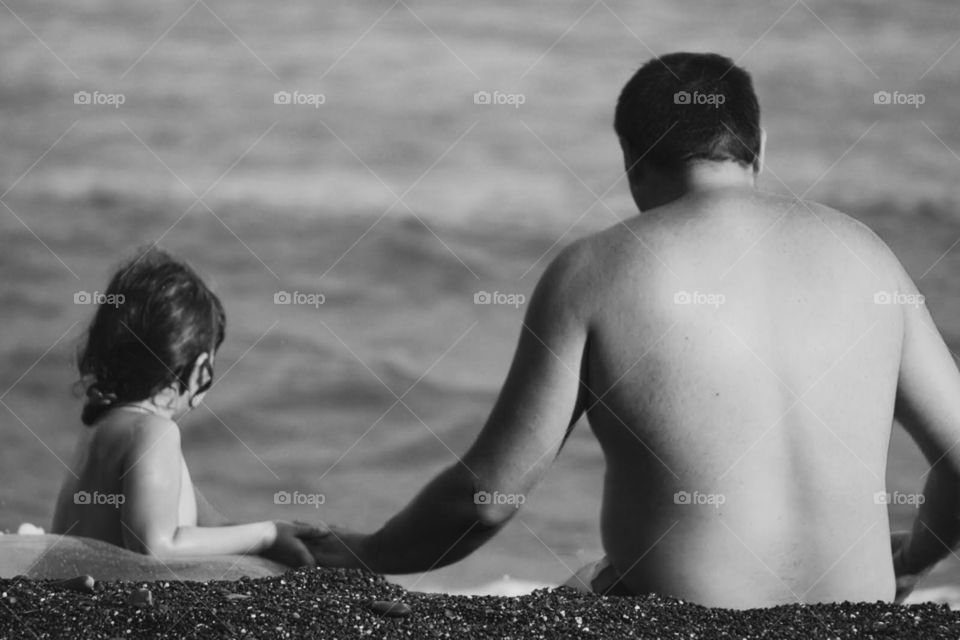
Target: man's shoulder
{"type": "Point", "coordinates": [569, 281]}
{"type": "Point", "coordinates": [572, 262]}
{"type": "Point", "coordinates": [855, 234]}
{"type": "Point", "coordinates": [594, 253]}
{"type": "Point", "coordinates": [602, 262]}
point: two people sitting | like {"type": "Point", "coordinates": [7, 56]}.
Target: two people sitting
{"type": "Point", "coordinates": [778, 394]}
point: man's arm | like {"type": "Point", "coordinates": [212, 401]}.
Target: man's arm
{"type": "Point", "coordinates": [207, 514]}
{"type": "Point", "coordinates": [539, 403]}
{"type": "Point", "coordinates": [928, 406]}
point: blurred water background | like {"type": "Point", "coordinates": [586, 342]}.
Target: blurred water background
{"type": "Point", "coordinates": [398, 198]}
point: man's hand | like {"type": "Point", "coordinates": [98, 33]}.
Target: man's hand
{"type": "Point", "coordinates": [541, 400]}
{"type": "Point", "coordinates": [339, 547]}
{"type": "Point", "coordinates": [288, 547]}
{"type": "Point", "coordinates": [907, 578]}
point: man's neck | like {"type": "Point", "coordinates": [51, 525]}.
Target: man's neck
{"type": "Point", "coordinates": [699, 177]}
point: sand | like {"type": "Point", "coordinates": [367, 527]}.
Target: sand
{"type": "Point", "coordinates": [329, 603]}
{"type": "Point", "coordinates": [52, 556]}
{"type": "Point", "coordinates": [128, 595]}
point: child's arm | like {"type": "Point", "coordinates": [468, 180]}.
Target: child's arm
{"type": "Point", "coordinates": [150, 512]}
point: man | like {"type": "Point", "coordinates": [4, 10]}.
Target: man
{"type": "Point", "coordinates": [740, 357]}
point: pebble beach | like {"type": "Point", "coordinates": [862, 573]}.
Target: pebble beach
{"type": "Point", "coordinates": [335, 603]}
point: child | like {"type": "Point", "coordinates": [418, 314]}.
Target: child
{"type": "Point", "coordinates": [147, 361]}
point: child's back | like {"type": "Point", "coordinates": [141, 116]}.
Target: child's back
{"type": "Point", "coordinates": [91, 500]}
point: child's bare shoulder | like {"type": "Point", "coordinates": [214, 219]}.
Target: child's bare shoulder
{"type": "Point", "coordinates": [156, 431]}
{"type": "Point", "coordinates": [137, 434]}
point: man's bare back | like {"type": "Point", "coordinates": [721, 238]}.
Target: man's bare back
{"type": "Point", "coordinates": [740, 357]}
{"type": "Point", "coordinates": [746, 379]}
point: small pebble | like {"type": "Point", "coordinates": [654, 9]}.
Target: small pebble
{"type": "Point", "coordinates": [83, 584]}
{"type": "Point", "coordinates": [140, 598]}
{"type": "Point", "coordinates": [27, 529]}
{"type": "Point", "coordinates": [390, 608]}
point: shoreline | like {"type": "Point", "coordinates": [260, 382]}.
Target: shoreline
{"type": "Point", "coordinates": [338, 603]}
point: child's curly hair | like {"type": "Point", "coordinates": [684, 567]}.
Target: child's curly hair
{"type": "Point", "coordinates": [159, 319]}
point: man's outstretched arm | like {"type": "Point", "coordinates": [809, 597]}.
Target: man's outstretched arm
{"type": "Point", "coordinates": [537, 406]}
{"type": "Point", "coordinates": [928, 406]}
{"type": "Point", "coordinates": [207, 514]}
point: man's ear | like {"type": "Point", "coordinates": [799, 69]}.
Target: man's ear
{"type": "Point", "coordinates": [758, 163]}
{"type": "Point", "coordinates": [630, 158]}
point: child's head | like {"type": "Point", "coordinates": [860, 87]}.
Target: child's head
{"type": "Point", "coordinates": [157, 335]}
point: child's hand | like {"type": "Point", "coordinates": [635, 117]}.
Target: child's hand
{"type": "Point", "coordinates": [288, 548]}
{"type": "Point", "coordinates": [339, 547]}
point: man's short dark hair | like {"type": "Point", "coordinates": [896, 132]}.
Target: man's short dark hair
{"type": "Point", "coordinates": [684, 107]}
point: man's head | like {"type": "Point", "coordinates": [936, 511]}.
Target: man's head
{"type": "Point", "coordinates": [685, 109]}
